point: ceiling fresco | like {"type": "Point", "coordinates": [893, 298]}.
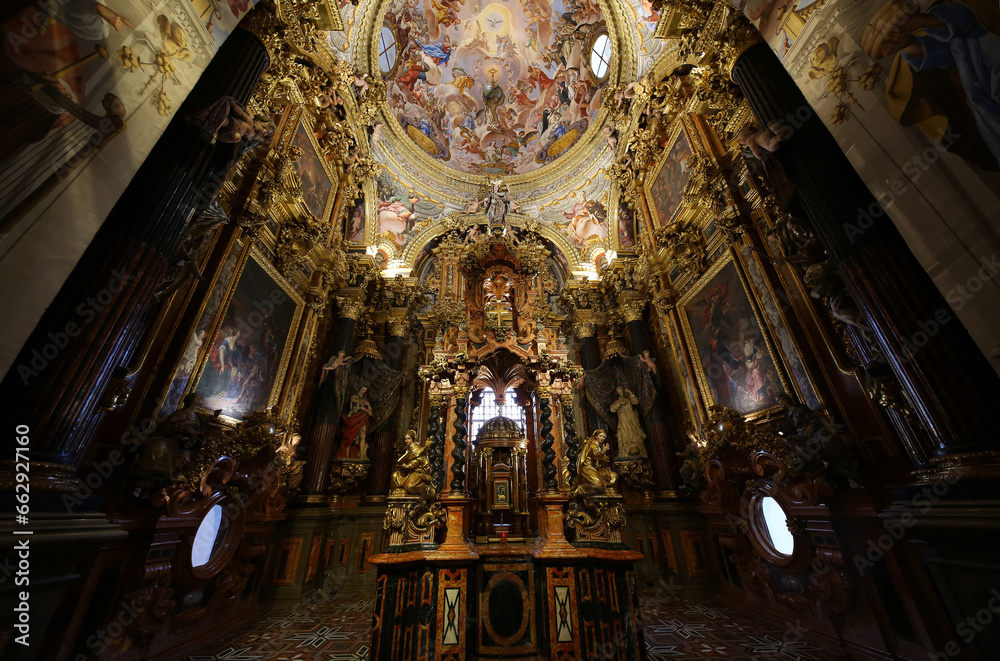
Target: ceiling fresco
{"type": "Point", "coordinates": [500, 87]}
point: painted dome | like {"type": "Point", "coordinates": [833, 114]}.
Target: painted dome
{"type": "Point", "coordinates": [494, 87]}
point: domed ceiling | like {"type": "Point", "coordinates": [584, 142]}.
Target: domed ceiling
{"type": "Point", "coordinates": [493, 87]}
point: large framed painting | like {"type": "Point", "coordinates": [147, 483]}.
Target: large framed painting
{"type": "Point", "coordinates": [313, 170]}
{"type": "Point", "coordinates": [250, 346]}
{"type": "Point", "coordinates": [730, 346]}
{"type": "Point", "coordinates": [666, 190]}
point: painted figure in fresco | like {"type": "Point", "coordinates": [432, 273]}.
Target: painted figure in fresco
{"type": "Point", "coordinates": [354, 427]}
{"type": "Point", "coordinates": [948, 36]}
{"type": "Point", "coordinates": [394, 216]}
{"type": "Point", "coordinates": [413, 470]}
{"type": "Point", "coordinates": [587, 218]}
{"type": "Point", "coordinates": [593, 468]}
{"type": "Point", "coordinates": [630, 433]}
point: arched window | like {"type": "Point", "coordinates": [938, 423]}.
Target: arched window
{"type": "Point", "coordinates": [487, 409]}
{"type": "Point", "coordinates": [387, 51]}
{"type": "Point", "coordinates": [600, 57]}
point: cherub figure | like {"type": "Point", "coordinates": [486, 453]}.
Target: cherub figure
{"type": "Point", "coordinates": [609, 135]}
{"type": "Point", "coordinates": [335, 361]}
{"type": "Point", "coordinates": [649, 362]}
{"type": "Point", "coordinates": [361, 84]}
{"type": "Point", "coordinates": [376, 134]}
{"type": "Point", "coordinates": [767, 140]}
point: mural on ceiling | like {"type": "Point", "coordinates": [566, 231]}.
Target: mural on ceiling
{"type": "Point", "coordinates": [400, 213]}
{"type": "Point", "coordinates": [667, 188]}
{"type": "Point", "coordinates": [494, 87]}
{"type": "Point", "coordinates": [909, 91]}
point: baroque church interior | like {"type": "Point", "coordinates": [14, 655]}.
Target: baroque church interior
{"type": "Point", "coordinates": [499, 329]}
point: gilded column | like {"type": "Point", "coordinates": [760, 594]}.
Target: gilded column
{"type": "Point", "coordinates": [898, 298]}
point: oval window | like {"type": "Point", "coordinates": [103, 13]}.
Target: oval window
{"type": "Point", "coordinates": [773, 523]}
{"type": "Point", "coordinates": [207, 537]}
{"type": "Point", "coordinates": [600, 57]}
{"type": "Point", "coordinates": [387, 50]}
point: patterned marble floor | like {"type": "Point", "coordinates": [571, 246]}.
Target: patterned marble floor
{"type": "Point", "coordinates": [675, 628]}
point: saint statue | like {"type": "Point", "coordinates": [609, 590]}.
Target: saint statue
{"type": "Point", "coordinates": [593, 469]}
{"type": "Point", "coordinates": [413, 469]}
{"type": "Point", "coordinates": [497, 202]}
{"type": "Point", "coordinates": [354, 427]}
{"type": "Point", "coordinates": [630, 434]}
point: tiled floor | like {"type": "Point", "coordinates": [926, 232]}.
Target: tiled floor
{"type": "Point", "coordinates": [675, 628]}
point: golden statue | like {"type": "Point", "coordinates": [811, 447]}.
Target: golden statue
{"type": "Point", "coordinates": [413, 469]}
{"type": "Point", "coordinates": [593, 469]}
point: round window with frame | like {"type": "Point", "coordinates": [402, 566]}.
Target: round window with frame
{"type": "Point", "coordinates": [600, 54]}
{"type": "Point", "coordinates": [387, 50]}
{"type": "Point", "coordinates": [772, 523]}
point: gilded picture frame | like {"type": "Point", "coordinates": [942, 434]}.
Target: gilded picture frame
{"type": "Point", "coordinates": [730, 344]}
{"type": "Point", "coordinates": [668, 191]}
{"type": "Point", "coordinates": [316, 175]}
{"type": "Point", "coordinates": [257, 328]}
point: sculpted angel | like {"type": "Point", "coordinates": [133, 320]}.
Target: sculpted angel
{"type": "Point", "coordinates": [413, 469]}
{"type": "Point", "coordinates": [593, 468]}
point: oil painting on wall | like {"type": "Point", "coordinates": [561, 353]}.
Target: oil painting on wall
{"type": "Point", "coordinates": [355, 230]}
{"type": "Point", "coordinates": [494, 87]}
{"type": "Point", "coordinates": [627, 226]}
{"type": "Point", "coordinates": [316, 184]}
{"type": "Point", "coordinates": [247, 354]}
{"type": "Point", "coordinates": [739, 371]}
{"type": "Point", "coordinates": [196, 344]}
{"type": "Point", "coordinates": [667, 188]}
